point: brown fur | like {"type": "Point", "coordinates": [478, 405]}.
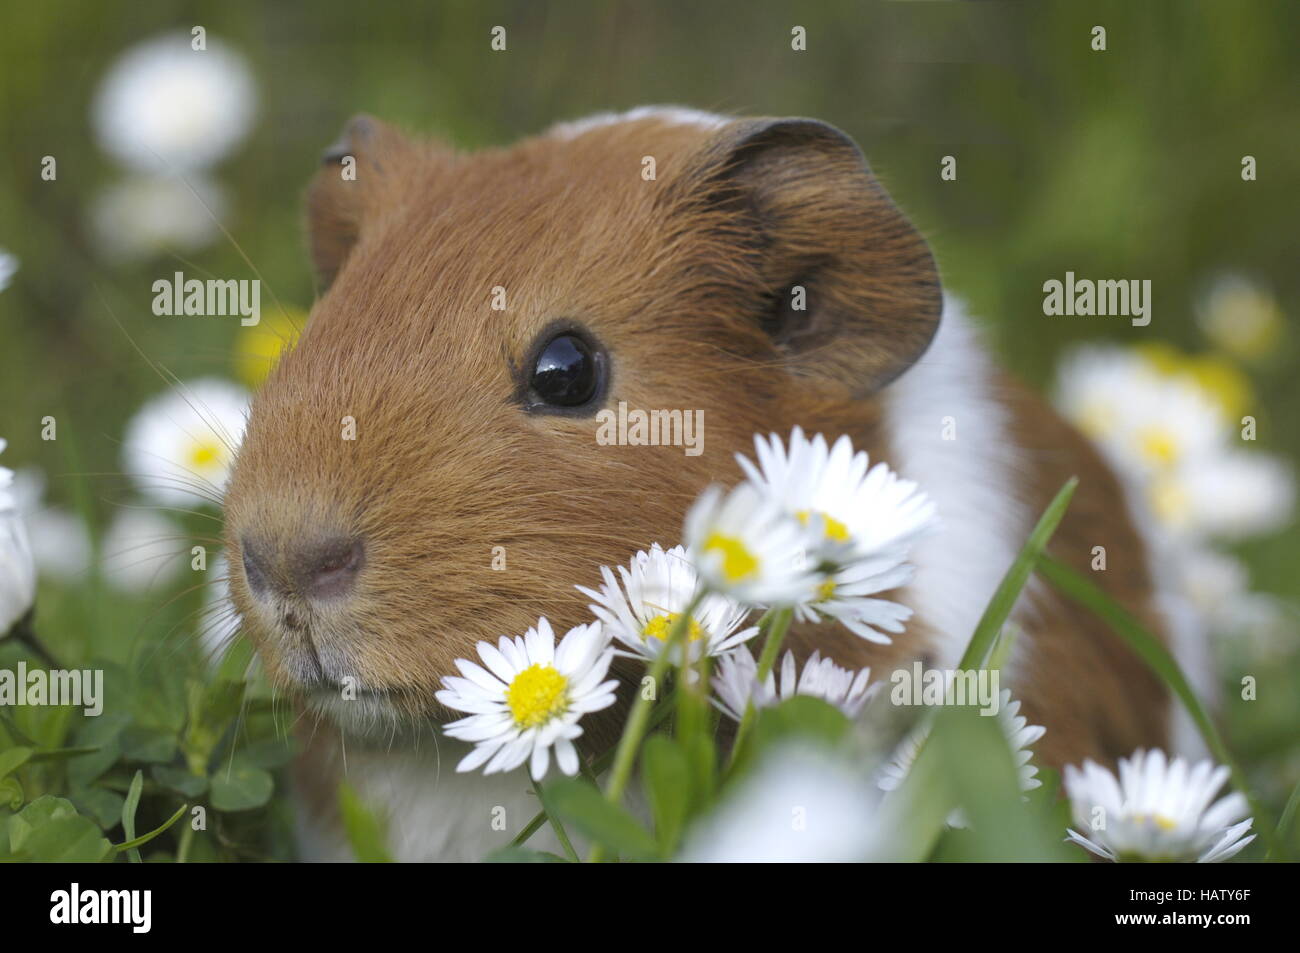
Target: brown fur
{"type": "Point", "coordinates": [682, 280]}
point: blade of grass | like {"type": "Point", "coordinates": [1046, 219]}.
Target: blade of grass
{"type": "Point", "coordinates": [129, 807]}
{"type": "Point", "coordinates": [560, 833]}
{"type": "Point", "coordinates": [1288, 817]}
{"type": "Point", "coordinates": [1008, 591]}
{"type": "Point", "coordinates": [1157, 657]}
{"type": "Point", "coordinates": [146, 838]}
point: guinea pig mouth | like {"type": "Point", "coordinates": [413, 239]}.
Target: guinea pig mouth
{"type": "Point", "coordinates": [363, 710]}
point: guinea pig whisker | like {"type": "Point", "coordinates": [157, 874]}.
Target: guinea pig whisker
{"type": "Point", "coordinates": [170, 378]}
{"type": "Point", "coordinates": [203, 490]}
{"type": "Point", "coordinates": [158, 508]}
{"type": "Point", "coordinates": [238, 247]}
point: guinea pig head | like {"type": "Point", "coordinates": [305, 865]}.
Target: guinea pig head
{"type": "Point", "coordinates": [426, 469]}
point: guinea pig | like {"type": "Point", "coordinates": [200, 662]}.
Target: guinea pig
{"type": "Point", "coordinates": [422, 471]}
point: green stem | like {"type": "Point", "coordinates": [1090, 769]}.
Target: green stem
{"type": "Point", "coordinates": [24, 631]}
{"type": "Point", "coordinates": [561, 834]}
{"type": "Point", "coordinates": [639, 717]}
{"type": "Point", "coordinates": [780, 625]}
{"type": "Point", "coordinates": [591, 771]}
{"type": "Point", "coordinates": [187, 838]}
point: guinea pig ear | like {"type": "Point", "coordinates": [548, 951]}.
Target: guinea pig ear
{"type": "Point", "coordinates": [850, 289]}
{"type": "Point", "coordinates": [359, 175]}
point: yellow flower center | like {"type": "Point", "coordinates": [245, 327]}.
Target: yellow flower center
{"type": "Point", "coordinates": [835, 530]}
{"type": "Point", "coordinates": [536, 695]}
{"type": "Point", "coordinates": [204, 453]}
{"type": "Point", "coordinates": [1159, 820]}
{"type": "Point", "coordinates": [1159, 445]}
{"type": "Point", "coordinates": [1097, 419]}
{"type": "Point", "coordinates": [1169, 501]}
{"type": "Point", "coordinates": [737, 561]}
{"type": "Point", "coordinates": [657, 628]}
{"type": "Point", "coordinates": [1217, 378]}
{"type": "Point", "coordinates": [826, 591]}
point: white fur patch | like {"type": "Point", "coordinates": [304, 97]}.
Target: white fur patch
{"type": "Point", "coordinates": [971, 478]}
{"type": "Point", "coordinates": [674, 115]}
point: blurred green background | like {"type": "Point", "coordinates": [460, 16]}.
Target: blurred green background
{"type": "Point", "coordinates": [1124, 163]}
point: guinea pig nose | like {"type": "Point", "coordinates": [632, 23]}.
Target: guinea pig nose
{"type": "Point", "coordinates": [326, 568]}
{"type": "Point", "coordinates": [317, 567]}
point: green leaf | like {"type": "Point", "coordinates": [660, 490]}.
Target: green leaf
{"type": "Point", "coordinates": [12, 759]}
{"type": "Point", "coordinates": [102, 734]}
{"type": "Point", "coordinates": [366, 831]}
{"type": "Point", "coordinates": [917, 812]}
{"type": "Point", "coordinates": [977, 760]}
{"type": "Point", "coordinates": [62, 754]}
{"type": "Point", "coordinates": [802, 716]}
{"type": "Point", "coordinates": [1282, 836]}
{"type": "Point", "coordinates": [666, 778]}
{"type": "Point", "coordinates": [151, 745]}
{"type": "Point", "coordinates": [1006, 641]}
{"type": "Point", "coordinates": [270, 753]}
{"type": "Point", "coordinates": [1158, 659]}
{"type": "Point", "coordinates": [67, 840]}
{"type": "Point", "coordinates": [100, 804]}
{"type": "Point", "coordinates": [11, 794]}
{"type": "Point", "coordinates": [12, 727]}
{"type": "Point", "coordinates": [586, 809]}
{"type": "Point", "coordinates": [129, 807]}
{"type": "Point", "coordinates": [1008, 591]}
{"type": "Point", "coordinates": [241, 787]}
{"type": "Point", "coordinates": [235, 661]}
{"type": "Point", "coordinates": [702, 754]}
{"type": "Point", "coordinates": [523, 855]}
{"type": "Point", "coordinates": [179, 780]}
{"type": "Point", "coordinates": [132, 845]}
{"type": "Point", "coordinates": [40, 812]}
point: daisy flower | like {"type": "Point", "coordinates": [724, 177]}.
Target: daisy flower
{"type": "Point", "coordinates": [1216, 587]}
{"type": "Point", "coordinates": [17, 567]}
{"type": "Point", "coordinates": [529, 698]}
{"type": "Point", "coordinates": [164, 104]}
{"type": "Point", "coordinates": [1241, 317]}
{"type": "Point", "coordinates": [1158, 810]}
{"type": "Point", "coordinates": [151, 215]}
{"type": "Point", "coordinates": [183, 442]}
{"type": "Point", "coordinates": [860, 521]}
{"type": "Point", "coordinates": [143, 550]}
{"type": "Point", "coordinates": [736, 683]}
{"type": "Point", "coordinates": [655, 591]}
{"type": "Point", "coordinates": [798, 806]}
{"type": "Point", "coordinates": [59, 539]}
{"type": "Point", "coordinates": [1145, 421]}
{"type": "Point", "coordinates": [1161, 419]}
{"type": "Point", "coordinates": [1230, 496]}
{"type": "Point", "coordinates": [746, 548]}
{"type": "Point", "coordinates": [1015, 726]}
{"type": "Point", "coordinates": [852, 509]}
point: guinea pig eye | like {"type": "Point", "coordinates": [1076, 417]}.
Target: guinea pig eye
{"type": "Point", "coordinates": [566, 372]}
